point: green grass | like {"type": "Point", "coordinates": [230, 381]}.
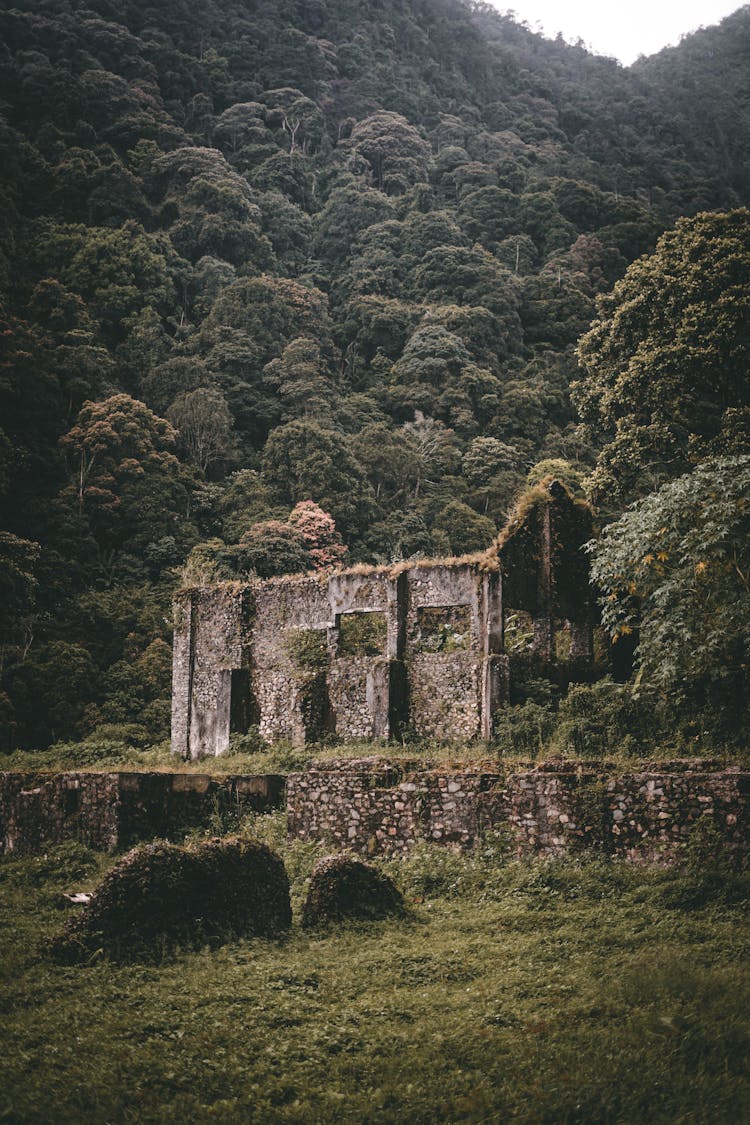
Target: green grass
{"type": "Point", "coordinates": [252, 756]}
{"type": "Point", "coordinates": [531, 992]}
{"type": "Point", "coordinates": [280, 758]}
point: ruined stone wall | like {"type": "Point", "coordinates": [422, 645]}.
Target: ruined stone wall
{"type": "Point", "coordinates": [366, 653]}
{"type": "Point", "coordinates": [288, 653]}
{"type": "Point", "coordinates": [37, 810]}
{"type": "Point", "coordinates": [376, 806]}
{"type": "Point", "coordinates": [211, 629]}
{"type": "Point", "coordinates": [455, 668]}
{"type": "Point", "coordinates": [362, 655]}
{"type": "Point", "coordinates": [108, 811]}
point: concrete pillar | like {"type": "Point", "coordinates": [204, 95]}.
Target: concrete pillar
{"type": "Point", "coordinates": [378, 691]}
{"type": "Point", "coordinates": [491, 609]}
{"type": "Point", "coordinates": [495, 665]}
{"type": "Point", "coordinates": [397, 590]}
{"type": "Point", "coordinates": [222, 715]}
{"type": "Point", "coordinates": [182, 673]}
{"type": "Point", "coordinates": [544, 629]}
{"type": "Point", "coordinates": [495, 691]}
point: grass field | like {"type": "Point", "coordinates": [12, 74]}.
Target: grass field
{"type": "Point", "coordinates": [533, 992]}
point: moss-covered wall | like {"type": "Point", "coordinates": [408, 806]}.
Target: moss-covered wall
{"type": "Point", "coordinates": [378, 806]}
{"type": "Point", "coordinates": [359, 654]}
{"type": "Point", "coordinates": [114, 810]}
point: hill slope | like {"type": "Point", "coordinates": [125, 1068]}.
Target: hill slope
{"type": "Point", "coordinates": [345, 248]}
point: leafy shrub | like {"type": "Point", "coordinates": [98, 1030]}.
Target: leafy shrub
{"type": "Point", "coordinates": [362, 634]}
{"type": "Point", "coordinates": [307, 648]}
{"type": "Point", "coordinates": [126, 734]}
{"type": "Point", "coordinates": [524, 730]}
{"type": "Point", "coordinates": [162, 895]}
{"type": "Point", "coordinates": [674, 569]}
{"type": "Point", "coordinates": [345, 889]}
{"type": "Point", "coordinates": [90, 752]}
{"type": "Point", "coordinates": [596, 720]}
{"type": "Point", "coordinates": [249, 742]}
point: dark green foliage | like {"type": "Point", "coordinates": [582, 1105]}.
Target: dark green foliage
{"type": "Point", "coordinates": [162, 895]}
{"type": "Point", "coordinates": [675, 569]}
{"type": "Point", "coordinates": [347, 252]}
{"type": "Point", "coordinates": [665, 381]}
{"type": "Point", "coordinates": [362, 634]}
{"type": "Point", "coordinates": [343, 889]}
{"type": "Point", "coordinates": [271, 547]}
{"type": "Point", "coordinates": [466, 531]}
{"type": "Point", "coordinates": [524, 730]}
{"type": "Point", "coordinates": [597, 720]}
{"type": "Point", "coordinates": [307, 648]}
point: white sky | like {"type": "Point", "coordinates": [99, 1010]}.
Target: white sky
{"type": "Point", "coordinates": [625, 29]}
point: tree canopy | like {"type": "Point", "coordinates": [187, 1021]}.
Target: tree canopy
{"type": "Point", "coordinates": [675, 571]}
{"type": "Point", "coordinates": [666, 362]}
{"type": "Point", "coordinates": [257, 256]}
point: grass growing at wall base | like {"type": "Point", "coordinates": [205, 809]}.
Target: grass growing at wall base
{"type": "Point", "coordinates": [537, 992]}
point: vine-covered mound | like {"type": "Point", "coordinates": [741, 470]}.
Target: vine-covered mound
{"type": "Point", "coordinates": [344, 889]}
{"type": "Point", "coordinates": [161, 895]}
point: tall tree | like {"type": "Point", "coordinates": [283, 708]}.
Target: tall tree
{"type": "Point", "coordinates": [666, 363]}
{"type": "Point", "coordinates": [675, 571]}
{"type": "Point", "coordinates": [123, 474]}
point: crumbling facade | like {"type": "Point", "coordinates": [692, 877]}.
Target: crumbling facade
{"type": "Point", "coordinates": [369, 652]}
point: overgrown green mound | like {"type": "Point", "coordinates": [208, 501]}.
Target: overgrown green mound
{"type": "Point", "coordinates": [162, 895]}
{"type": "Point", "coordinates": [345, 889]}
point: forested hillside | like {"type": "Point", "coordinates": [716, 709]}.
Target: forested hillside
{"type": "Point", "coordinates": [258, 254]}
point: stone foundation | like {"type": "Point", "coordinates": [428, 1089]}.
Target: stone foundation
{"type": "Point", "coordinates": [378, 806]}
{"type": "Point", "coordinates": [109, 811]}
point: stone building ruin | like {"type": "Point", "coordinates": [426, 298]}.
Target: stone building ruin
{"type": "Point", "coordinates": [370, 652]}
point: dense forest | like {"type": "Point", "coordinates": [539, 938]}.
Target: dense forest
{"type": "Point", "coordinates": [288, 283]}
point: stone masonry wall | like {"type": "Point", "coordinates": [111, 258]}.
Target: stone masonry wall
{"type": "Point", "coordinates": [377, 806]}
{"type": "Point", "coordinates": [210, 644]}
{"type": "Point", "coordinates": [281, 653]}
{"type": "Point", "coordinates": [109, 811]}
{"type": "Point", "coordinates": [361, 655]}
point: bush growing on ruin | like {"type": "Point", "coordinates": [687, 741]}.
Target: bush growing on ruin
{"type": "Point", "coordinates": [344, 889]}
{"type": "Point", "coordinates": [596, 720]}
{"type": "Point", "coordinates": [161, 896]}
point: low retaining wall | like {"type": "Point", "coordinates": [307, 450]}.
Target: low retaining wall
{"type": "Point", "coordinates": [109, 811]}
{"type": "Point", "coordinates": [378, 806]}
